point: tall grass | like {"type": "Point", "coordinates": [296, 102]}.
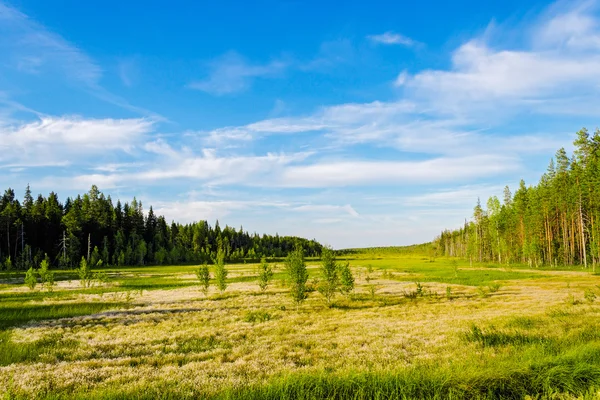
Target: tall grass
{"type": "Point", "coordinates": [12, 314]}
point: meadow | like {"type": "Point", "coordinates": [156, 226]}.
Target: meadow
{"type": "Point", "coordinates": [414, 327]}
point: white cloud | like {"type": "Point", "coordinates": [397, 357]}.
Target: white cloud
{"type": "Point", "coordinates": [574, 28]}
{"type": "Point", "coordinates": [327, 209]}
{"type": "Point", "coordinates": [32, 45]}
{"type": "Point", "coordinates": [366, 173]}
{"type": "Point", "coordinates": [392, 38]}
{"type": "Point", "coordinates": [231, 73]}
{"type": "Point", "coordinates": [62, 139]}
{"type": "Point", "coordinates": [31, 48]}
{"type": "Point", "coordinates": [555, 70]}
{"type": "Point", "coordinates": [463, 196]}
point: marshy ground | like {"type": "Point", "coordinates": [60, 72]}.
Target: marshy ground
{"type": "Point", "coordinates": [413, 328]}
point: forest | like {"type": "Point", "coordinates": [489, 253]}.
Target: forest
{"type": "Point", "coordinates": [556, 222]}
{"type": "Point", "coordinates": [91, 226]}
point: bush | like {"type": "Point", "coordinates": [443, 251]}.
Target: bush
{"type": "Point", "coordinates": [220, 270]}
{"type": "Point", "coordinates": [85, 273]}
{"type": "Point", "coordinates": [203, 275]}
{"type": "Point", "coordinates": [47, 276]}
{"type": "Point", "coordinates": [346, 279]}
{"type": "Point", "coordinates": [265, 274]}
{"type": "Point", "coordinates": [31, 278]}
{"type": "Point", "coordinates": [296, 268]}
{"type": "Point", "coordinates": [329, 272]}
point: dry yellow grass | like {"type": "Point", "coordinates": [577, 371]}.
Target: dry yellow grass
{"type": "Point", "coordinates": [182, 336]}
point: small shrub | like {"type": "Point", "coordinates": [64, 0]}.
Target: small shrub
{"type": "Point", "coordinates": [46, 276]}
{"type": "Point", "coordinates": [571, 300]}
{"type": "Point", "coordinates": [298, 275]}
{"type": "Point", "coordinates": [346, 279]}
{"type": "Point", "coordinates": [265, 274]}
{"type": "Point", "coordinates": [483, 292]}
{"type": "Point", "coordinates": [220, 270]}
{"type": "Point", "coordinates": [31, 278]}
{"type": "Point", "coordinates": [372, 290]}
{"type": "Point", "coordinates": [494, 287]}
{"type": "Point", "coordinates": [589, 295]}
{"type": "Point", "coordinates": [329, 272]}
{"type": "Point", "coordinates": [419, 290]}
{"type": "Point", "coordinates": [100, 276]}
{"type": "Point", "coordinates": [203, 275]}
{"type": "Point", "coordinates": [257, 316]}
{"type": "Point", "coordinates": [449, 295]}
{"type": "Point", "coordinates": [85, 273]}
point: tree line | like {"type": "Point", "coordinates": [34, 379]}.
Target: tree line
{"type": "Point", "coordinates": [93, 227]}
{"type": "Point", "coordinates": [554, 222]}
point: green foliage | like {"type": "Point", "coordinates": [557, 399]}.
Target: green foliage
{"type": "Point", "coordinates": [265, 274]}
{"type": "Point", "coordinates": [220, 270]}
{"type": "Point", "coordinates": [8, 265]}
{"type": "Point", "coordinates": [203, 275]}
{"type": "Point", "coordinates": [100, 276]}
{"type": "Point", "coordinates": [257, 316]}
{"type": "Point", "coordinates": [589, 295]}
{"type": "Point", "coordinates": [31, 278]}
{"type": "Point", "coordinates": [346, 279]}
{"type": "Point", "coordinates": [552, 223]}
{"type": "Point", "coordinates": [46, 276]}
{"type": "Point", "coordinates": [329, 274]}
{"type": "Point", "coordinates": [13, 313]}
{"type": "Point", "coordinates": [298, 275]}
{"type": "Point", "coordinates": [449, 295]}
{"type": "Point", "coordinates": [85, 273]}
{"type": "Point", "coordinates": [95, 258]}
{"type": "Point", "coordinates": [494, 287]}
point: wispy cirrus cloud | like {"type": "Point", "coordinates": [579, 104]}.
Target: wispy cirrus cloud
{"type": "Point", "coordinates": [232, 73]}
{"type": "Point", "coordinates": [392, 38]}
{"type": "Point", "coordinates": [30, 48]}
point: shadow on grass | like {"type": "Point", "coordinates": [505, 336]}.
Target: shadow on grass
{"type": "Point", "coordinates": [14, 315]}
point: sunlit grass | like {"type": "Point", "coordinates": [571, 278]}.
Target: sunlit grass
{"type": "Point", "coordinates": [150, 332]}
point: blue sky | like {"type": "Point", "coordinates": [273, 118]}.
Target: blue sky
{"type": "Point", "coordinates": [375, 123]}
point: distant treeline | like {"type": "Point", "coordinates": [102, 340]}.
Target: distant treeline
{"type": "Point", "coordinates": [91, 226]}
{"type": "Point", "coordinates": [555, 222]}
{"type": "Point", "coordinates": [416, 249]}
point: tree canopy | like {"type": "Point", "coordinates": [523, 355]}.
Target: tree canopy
{"type": "Point", "coordinates": [93, 227]}
{"type": "Point", "coordinates": [554, 222]}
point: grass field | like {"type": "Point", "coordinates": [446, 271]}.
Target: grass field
{"type": "Point", "coordinates": [413, 328]}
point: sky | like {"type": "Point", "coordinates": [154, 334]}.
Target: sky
{"type": "Point", "coordinates": [369, 124]}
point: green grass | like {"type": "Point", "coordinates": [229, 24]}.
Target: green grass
{"type": "Point", "coordinates": [14, 314]}
{"type": "Point", "coordinates": [15, 352]}
{"type": "Point", "coordinates": [554, 353]}
{"type": "Point", "coordinates": [415, 269]}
